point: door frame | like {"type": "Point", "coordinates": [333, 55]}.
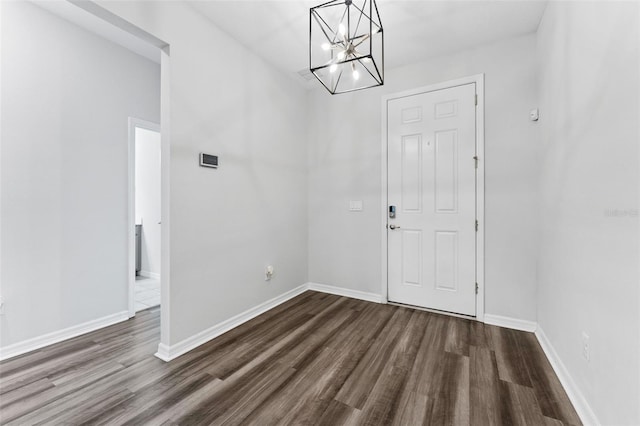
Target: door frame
{"type": "Point", "coordinates": [132, 124]}
{"type": "Point", "coordinates": [478, 79]}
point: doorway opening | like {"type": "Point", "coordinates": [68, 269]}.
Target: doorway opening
{"type": "Point", "coordinates": [146, 151]}
{"type": "Point", "coordinates": [113, 27]}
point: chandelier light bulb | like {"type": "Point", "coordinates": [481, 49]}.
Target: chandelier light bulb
{"type": "Point", "coordinates": [341, 55]}
{"type": "Point", "coordinates": [325, 46]}
{"type": "Point", "coordinates": [355, 73]}
{"type": "Point", "coordinates": [341, 29]}
{"type": "Point", "coordinates": [333, 68]}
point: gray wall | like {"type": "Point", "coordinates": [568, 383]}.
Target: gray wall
{"type": "Point", "coordinates": [345, 163]}
{"type": "Point", "coordinates": [227, 224]}
{"type": "Point", "coordinates": [589, 199]}
{"type": "Point", "coordinates": [66, 98]}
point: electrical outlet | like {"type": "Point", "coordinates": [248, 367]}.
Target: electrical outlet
{"type": "Point", "coordinates": [586, 350]}
{"type": "Point", "coordinates": [268, 273]}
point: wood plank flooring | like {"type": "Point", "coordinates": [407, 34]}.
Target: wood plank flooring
{"type": "Point", "coordinates": [316, 359]}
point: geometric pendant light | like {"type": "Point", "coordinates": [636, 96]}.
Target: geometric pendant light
{"type": "Point", "coordinates": [346, 45]}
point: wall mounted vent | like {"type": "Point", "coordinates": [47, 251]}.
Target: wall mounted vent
{"type": "Point", "coordinates": [207, 160]}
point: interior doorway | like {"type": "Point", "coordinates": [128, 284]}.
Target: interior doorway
{"type": "Point", "coordinates": [145, 200]}
{"type": "Point", "coordinates": [142, 42]}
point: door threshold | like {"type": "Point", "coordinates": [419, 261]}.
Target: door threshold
{"type": "Point", "coordinates": [433, 311]}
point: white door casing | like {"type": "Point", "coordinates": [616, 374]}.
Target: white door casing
{"type": "Point", "coordinates": [431, 178]}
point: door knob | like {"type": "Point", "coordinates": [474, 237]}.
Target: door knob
{"type": "Point", "coordinates": [393, 227]}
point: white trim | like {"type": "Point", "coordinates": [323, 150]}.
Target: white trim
{"type": "Point", "coordinates": [131, 215]}
{"type": "Point", "coordinates": [132, 124]}
{"type": "Point", "coordinates": [165, 195]}
{"type": "Point", "coordinates": [480, 197]}
{"type": "Point", "coordinates": [384, 187]}
{"type": "Point", "coordinates": [478, 80]}
{"type": "Point", "coordinates": [168, 353]}
{"type": "Point", "coordinates": [164, 353]}
{"type": "Point", "coordinates": [508, 322]}
{"type": "Point", "coordinates": [346, 292]}
{"type": "Point", "coordinates": [61, 335]}
{"type": "Point", "coordinates": [148, 274]}
{"type": "Point", "coordinates": [578, 400]}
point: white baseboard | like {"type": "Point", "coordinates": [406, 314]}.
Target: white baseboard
{"type": "Point", "coordinates": [507, 322]}
{"type": "Point", "coordinates": [168, 353]}
{"type": "Point", "coordinates": [340, 291]}
{"type": "Point", "coordinates": [578, 400]}
{"type": "Point", "coordinates": [29, 345]}
{"type": "Point", "coordinates": [164, 352]}
{"type": "Point", "coordinates": [148, 274]}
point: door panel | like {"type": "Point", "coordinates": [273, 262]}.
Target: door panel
{"type": "Point", "coordinates": [446, 161]}
{"type": "Point", "coordinates": [411, 257]}
{"type": "Point", "coordinates": [446, 260]}
{"type": "Point", "coordinates": [432, 181]}
{"type": "Point", "coordinates": [412, 173]}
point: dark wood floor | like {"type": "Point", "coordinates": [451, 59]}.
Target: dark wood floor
{"type": "Point", "coordinates": [316, 359]}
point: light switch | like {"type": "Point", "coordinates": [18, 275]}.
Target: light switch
{"type": "Point", "coordinates": [355, 205]}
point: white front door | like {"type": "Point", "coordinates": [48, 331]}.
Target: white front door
{"type": "Point", "coordinates": [432, 188]}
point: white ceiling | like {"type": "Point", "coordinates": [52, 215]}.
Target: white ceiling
{"type": "Point", "coordinates": [278, 30]}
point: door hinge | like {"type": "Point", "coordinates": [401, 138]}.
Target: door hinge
{"type": "Point", "coordinates": [476, 226]}
{"type": "Point", "coordinates": [476, 100]}
{"type": "Point", "coordinates": [475, 158]}
{"type": "Point", "coordinates": [476, 288]}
